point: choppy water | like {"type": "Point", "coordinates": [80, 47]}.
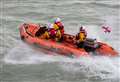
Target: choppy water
{"type": "Point", "coordinates": [20, 62]}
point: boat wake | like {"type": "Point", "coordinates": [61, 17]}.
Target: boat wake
{"type": "Point", "coordinates": [95, 67]}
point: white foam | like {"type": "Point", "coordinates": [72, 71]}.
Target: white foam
{"type": "Point", "coordinates": [101, 67]}
{"type": "Point", "coordinates": [25, 54]}
{"type": "Point", "coordinates": [92, 67]}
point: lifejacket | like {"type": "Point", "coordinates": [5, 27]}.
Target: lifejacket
{"type": "Point", "coordinates": [52, 32]}
{"type": "Point", "coordinates": [81, 36]}
{"type": "Point", "coordinates": [32, 29]}
{"type": "Point", "coordinates": [55, 34]}
{"type": "Point", "coordinates": [85, 33]}
{"type": "Point", "coordinates": [61, 27]}
{"type": "Point", "coordinates": [58, 34]}
{"type": "Point", "coordinates": [56, 27]}
{"type": "Point", "coordinates": [45, 35]}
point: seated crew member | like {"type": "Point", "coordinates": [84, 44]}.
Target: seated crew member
{"type": "Point", "coordinates": [53, 32]}
{"type": "Point", "coordinates": [46, 34]}
{"type": "Point", "coordinates": [42, 32]}
{"type": "Point", "coordinates": [81, 37]}
{"type": "Point", "coordinates": [58, 25]}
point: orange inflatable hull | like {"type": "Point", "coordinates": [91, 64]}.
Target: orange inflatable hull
{"type": "Point", "coordinates": [63, 48]}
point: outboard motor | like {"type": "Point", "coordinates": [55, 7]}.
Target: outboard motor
{"type": "Point", "coordinates": [90, 44]}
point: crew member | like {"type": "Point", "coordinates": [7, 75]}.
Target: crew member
{"type": "Point", "coordinates": [58, 25]}
{"type": "Point", "coordinates": [81, 37]}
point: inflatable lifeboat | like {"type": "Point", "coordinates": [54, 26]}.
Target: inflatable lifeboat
{"type": "Point", "coordinates": [33, 34]}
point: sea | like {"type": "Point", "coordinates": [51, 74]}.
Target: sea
{"type": "Point", "coordinates": [20, 62]}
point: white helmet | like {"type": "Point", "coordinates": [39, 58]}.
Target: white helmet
{"type": "Point", "coordinates": [82, 28]}
{"type": "Point", "coordinates": [57, 20]}
{"type": "Point", "coordinates": [50, 26]}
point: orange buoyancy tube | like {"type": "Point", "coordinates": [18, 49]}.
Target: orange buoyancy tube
{"type": "Point", "coordinates": [32, 29]}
